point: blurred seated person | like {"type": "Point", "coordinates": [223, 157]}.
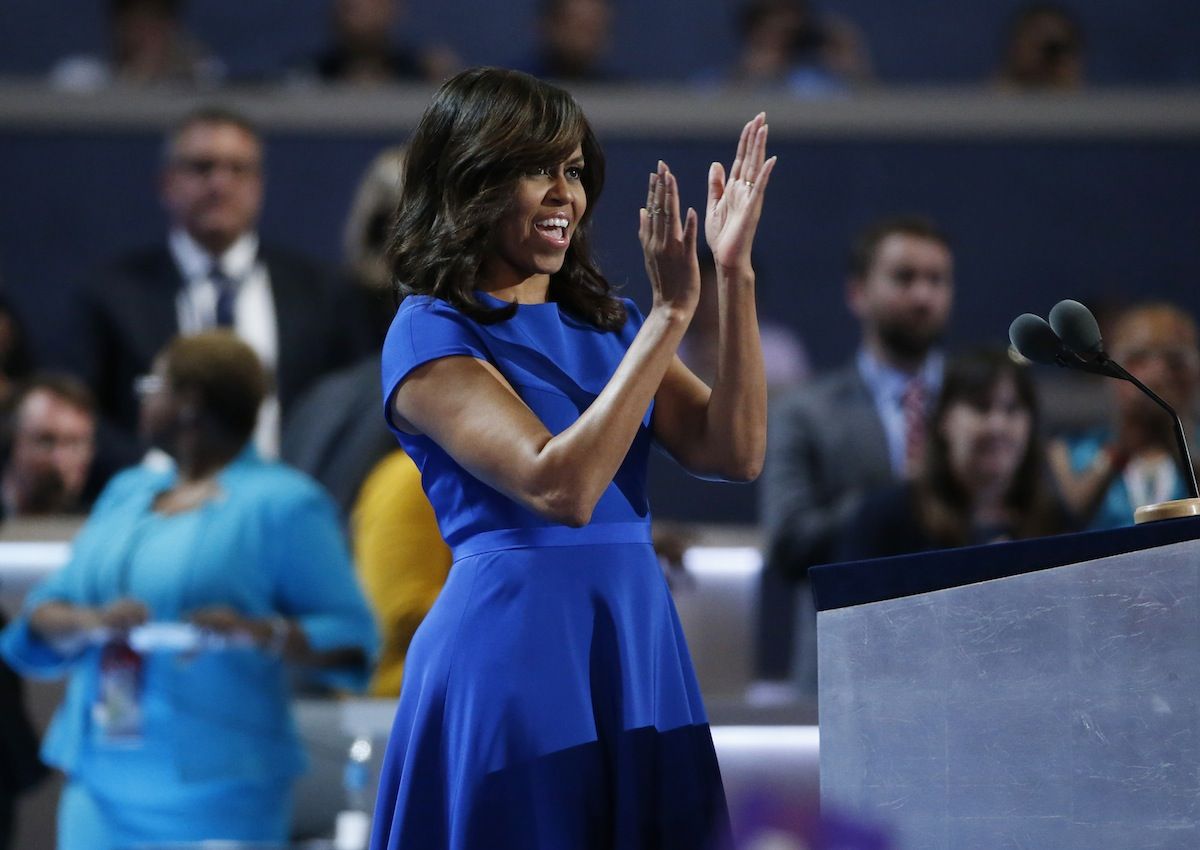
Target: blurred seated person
{"type": "Point", "coordinates": [51, 449]}
{"type": "Point", "coordinates": [787, 45]}
{"type": "Point", "coordinates": [1043, 50]}
{"type": "Point", "coordinates": [334, 431]}
{"type": "Point", "coordinates": [149, 45]}
{"type": "Point", "coordinates": [211, 269]}
{"type": "Point", "coordinates": [784, 357]}
{"type": "Point", "coordinates": [402, 560]}
{"type": "Point", "coordinates": [160, 745]}
{"type": "Point", "coordinates": [983, 478]}
{"type": "Point", "coordinates": [364, 50]}
{"type": "Point", "coordinates": [1106, 473]}
{"type": "Point", "coordinates": [573, 37]}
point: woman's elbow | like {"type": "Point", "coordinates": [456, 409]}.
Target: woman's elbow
{"type": "Point", "coordinates": [745, 471]}
{"type": "Point", "coordinates": [568, 509]}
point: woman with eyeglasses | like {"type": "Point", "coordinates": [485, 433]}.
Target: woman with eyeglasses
{"type": "Point", "coordinates": [1107, 473]}
{"type": "Point", "coordinates": [188, 594]}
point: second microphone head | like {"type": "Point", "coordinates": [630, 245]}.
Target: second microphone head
{"type": "Point", "coordinates": [1076, 327]}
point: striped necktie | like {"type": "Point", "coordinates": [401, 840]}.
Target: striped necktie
{"type": "Point", "coordinates": [227, 290]}
{"type": "Point", "coordinates": [913, 403]}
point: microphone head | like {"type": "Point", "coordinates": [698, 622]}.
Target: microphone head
{"type": "Point", "coordinates": [1076, 327]}
{"type": "Point", "coordinates": [1033, 337]}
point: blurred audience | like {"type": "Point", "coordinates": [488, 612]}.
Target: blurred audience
{"type": "Point", "coordinates": [364, 49]}
{"type": "Point", "coordinates": [984, 478]}
{"type": "Point", "coordinates": [165, 742]}
{"type": "Point", "coordinates": [1043, 50]}
{"type": "Point", "coordinates": [335, 432]}
{"type": "Point", "coordinates": [212, 270]}
{"type": "Point", "coordinates": [148, 45]}
{"type": "Point", "coordinates": [859, 429]}
{"type": "Point", "coordinates": [51, 450]}
{"type": "Point", "coordinates": [1108, 472]}
{"type": "Point", "coordinates": [573, 38]}
{"type": "Point", "coordinates": [787, 45]}
{"type": "Point", "coordinates": [784, 357]}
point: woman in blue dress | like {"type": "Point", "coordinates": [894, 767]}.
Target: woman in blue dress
{"type": "Point", "coordinates": [548, 699]}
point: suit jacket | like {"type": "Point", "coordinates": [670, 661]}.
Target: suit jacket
{"type": "Point", "coordinates": [826, 449]}
{"type": "Point", "coordinates": [336, 432]}
{"type": "Point", "coordinates": [129, 315]}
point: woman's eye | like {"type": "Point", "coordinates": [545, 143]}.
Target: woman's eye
{"type": "Point", "coordinates": [574, 172]}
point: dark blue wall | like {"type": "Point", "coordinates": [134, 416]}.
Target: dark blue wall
{"type": "Point", "coordinates": [1135, 42]}
{"type": "Point", "coordinates": [1032, 222]}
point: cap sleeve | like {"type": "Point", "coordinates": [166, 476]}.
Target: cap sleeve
{"type": "Point", "coordinates": [425, 329]}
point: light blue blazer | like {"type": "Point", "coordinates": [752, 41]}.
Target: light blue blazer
{"type": "Point", "coordinates": [271, 545]}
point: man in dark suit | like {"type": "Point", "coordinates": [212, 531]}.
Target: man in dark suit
{"type": "Point", "coordinates": [211, 271]}
{"type": "Point", "coordinates": [860, 428]}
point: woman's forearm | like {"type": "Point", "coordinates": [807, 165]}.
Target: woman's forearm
{"type": "Point", "coordinates": [575, 467]}
{"type": "Point", "coordinates": [735, 419]}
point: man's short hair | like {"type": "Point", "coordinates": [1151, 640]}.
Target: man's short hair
{"type": "Point", "coordinates": [866, 244]}
{"type": "Point", "coordinates": [66, 387]}
{"type": "Point", "coordinates": [209, 114]}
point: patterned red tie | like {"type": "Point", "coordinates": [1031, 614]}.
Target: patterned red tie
{"type": "Point", "coordinates": [913, 404]}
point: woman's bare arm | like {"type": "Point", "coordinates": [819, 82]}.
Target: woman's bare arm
{"type": "Point", "coordinates": [723, 431]}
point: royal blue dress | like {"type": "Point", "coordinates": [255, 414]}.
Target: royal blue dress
{"type": "Point", "coordinates": [548, 701]}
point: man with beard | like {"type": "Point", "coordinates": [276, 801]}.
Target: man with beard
{"type": "Point", "coordinates": [53, 433]}
{"type": "Point", "coordinates": [1105, 474]}
{"type": "Point", "coordinates": [855, 431]}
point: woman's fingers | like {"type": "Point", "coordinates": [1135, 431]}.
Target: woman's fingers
{"type": "Point", "coordinates": [690, 229]}
{"type": "Point", "coordinates": [735, 171]}
{"type": "Point", "coordinates": [757, 152]}
{"type": "Point", "coordinates": [716, 185]}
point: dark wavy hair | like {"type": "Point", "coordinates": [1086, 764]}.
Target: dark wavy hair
{"type": "Point", "coordinates": [484, 129]}
{"type": "Point", "coordinates": [943, 503]}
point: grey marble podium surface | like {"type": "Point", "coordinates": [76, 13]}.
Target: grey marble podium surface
{"type": "Point", "coordinates": [1054, 709]}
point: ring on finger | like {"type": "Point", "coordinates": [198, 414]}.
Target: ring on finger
{"type": "Point", "coordinates": [749, 184]}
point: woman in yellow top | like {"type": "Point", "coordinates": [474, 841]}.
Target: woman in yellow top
{"type": "Point", "coordinates": [401, 557]}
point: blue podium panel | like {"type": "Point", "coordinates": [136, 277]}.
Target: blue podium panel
{"type": "Point", "coordinates": [1056, 708]}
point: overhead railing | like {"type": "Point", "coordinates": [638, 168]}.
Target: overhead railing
{"type": "Point", "coordinates": [641, 112]}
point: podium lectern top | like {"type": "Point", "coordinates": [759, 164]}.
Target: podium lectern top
{"type": "Point", "coordinates": [860, 582]}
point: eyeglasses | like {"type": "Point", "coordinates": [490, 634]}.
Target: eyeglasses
{"type": "Point", "coordinates": [1174, 359]}
{"type": "Point", "coordinates": [203, 166]}
{"type": "Point", "coordinates": [147, 385]}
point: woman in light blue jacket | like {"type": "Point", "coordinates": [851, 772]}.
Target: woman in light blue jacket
{"type": "Point", "coordinates": [167, 745]}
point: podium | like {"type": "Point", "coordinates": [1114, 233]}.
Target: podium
{"type": "Point", "coordinates": [1035, 694]}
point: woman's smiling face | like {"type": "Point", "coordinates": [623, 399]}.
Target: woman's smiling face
{"type": "Point", "coordinates": [535, 232]}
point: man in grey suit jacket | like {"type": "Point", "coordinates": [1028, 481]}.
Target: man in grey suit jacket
{"type": "Point", "coordinates": [857, 430]}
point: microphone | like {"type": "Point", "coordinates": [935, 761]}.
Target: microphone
{"type": "Point", "coordinates": [1077, 328]}
{"type": "Point", "coordinates": [1075, 331]}
{"type": "Point", "coordinates": [1034, 338]}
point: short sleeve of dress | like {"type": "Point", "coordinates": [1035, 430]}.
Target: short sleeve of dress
{"type": "Point", "coordinates": [425, 329]}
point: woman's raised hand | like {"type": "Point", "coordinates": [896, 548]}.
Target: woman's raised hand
{"type": "Point", "coordinates": [734, 205]}
{"type": "Point", "coordinates": [669, 245]}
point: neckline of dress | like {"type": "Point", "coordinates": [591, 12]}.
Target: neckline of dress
{"type": "Point", "coordinates": [487, 297]}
